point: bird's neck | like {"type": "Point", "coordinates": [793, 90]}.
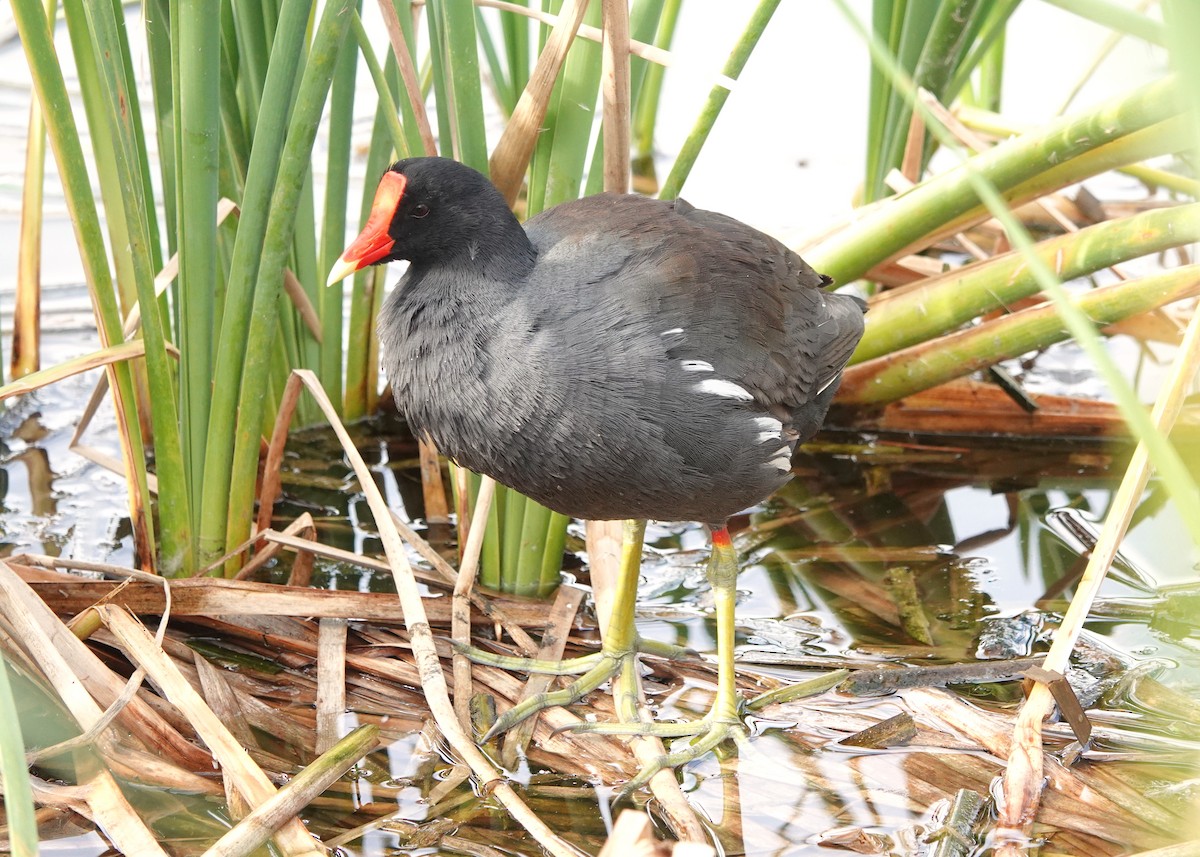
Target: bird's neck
{"type": "Point", "coordinates": [496, 250]}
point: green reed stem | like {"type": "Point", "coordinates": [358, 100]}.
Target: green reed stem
{"type": "Point", "coordinates": [199, 35]}
{"type": "Point", "coordinates": [646, 109]}
{"type": "Point", "coordinates": [261, 181]}
{"type": "Point", "coordinates": [174, 502]}
{"type": "Point", "coordinates": [333, 219]}
{"type": "Point", "coordinates": [986, 54]}
{"type": "Point", "coordinates": [382, 89]}
{"type": "Point", "coordinates": [1162, 454]}
{"type": "Point", "coordinates": [63, 135]}
{"type": "Point", "coordinates": [942, 303]}
{"type": "Point", "coordinates": [156, 19]}
{"type": "Point", "coordinates": [1018, 167]}
{"type": "Point", "coordinates": [293, 167]}
{"type": "Point", "coordinates": [716, 99]}
{"type": "Point", "coordinates": [462, 54]}
{"type": "Point", "coordinates": [26, 312]}
{"type": "Point", "coordinates": [1116, 17]}
{"type": "Point", "coordinates": [20, 820]}
{"type": "Point", "coordinates": [561, 153]}
{"type": "Point", "coordinates": [906, 371]}
{"type": "Point", "coordinates": [361, 360]}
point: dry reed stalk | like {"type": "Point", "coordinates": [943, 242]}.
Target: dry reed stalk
{"type": "Point", "coordinates": [256, 828]}
{"type": "Point", "coordinates": [229, 597]}
{"type": "Point", "coordinates": [77, 366]}
{"type": "Point", "coordinates": [80, 678]}
{"type": "Point", "coordinates": [272, 477]}
{"type": "Point", "coordinates": [903, 273]}
{"type": "Point", "coordinates": [614, 87]}
{"type": "Point", "coordinates": [492, 606]}
{"type": "Point", "coordinates": [914, 149]}
{"type": "Point", "coordinates": [432, 679]}
{"type": "Point", "coordinates": [61, 797]}
{"type": "Point", "coordinates": [1023, 776]}
{"type": "Point", "coordinates": [210, 596]}
{"type": "Point", "coordinates": [120, 823]}
{"type": "Point", "coordinates": [300, 575]}
{"type": "Point", "coordinates": [331, 681]}
{"type": "Point", "coordinates": [650, 53]}
{"type": "Point", "coordinates": [1183, 849]}
{"type": "Point", "coordinates": [633, 836]}
{"type": "Point", "coordinates": [96, 456]}
{"type": "Point", "coordinates": [408, 74]}
{"type": "Point", "coordinates": [307, 545]}
{"type": "Point", "coordinates": [302, 527]}
{"type": "Point", "coordinates": [235, 761]}
{"type": "Point", "coordinates": [971, 407]}
{"type": "Point", "coordinates": [135, 765]}
{"type": "Point", "coordinates": [562, 613]}
{"type": "Point", "coordinates": [511, 156]}
{"type": "Point", "coordinates": [293, 288]}
{"type": "Point", "coordinates": [604, 560]}
{"type": "Point", "coordinates": [1103, 800]}
{"type": "Point", "coordinates": [462, 514]}
{"type": "Point", "coordinates": [460, 608]}
{"type": "Point", "coordinates": [222, 699]}
{"type": "Point", "coordinates": [458, 775]}
{"type": "Point", "coordinates": [433, 490]}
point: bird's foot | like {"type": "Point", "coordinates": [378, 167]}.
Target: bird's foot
{"type": "Point", "coordinates": [593, 670]}
{"type": "Point", "coordinates": [710, 733]}
{"type": "Point", "coordinates": [722, 723]}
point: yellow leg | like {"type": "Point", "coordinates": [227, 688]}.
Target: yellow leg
{"type": "Point", "coordinates": [723, 721]}
{"type": "Point", "coordinates": [722, 576]}
{"type": "Point", "coordinates": [617, 660]}
{"type": "Point", "coordinates": [618, 651]}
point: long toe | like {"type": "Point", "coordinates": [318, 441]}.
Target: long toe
{"type": "Point", "coordinates": [717, 733]}
{"type": "Point", "coordinates": [576, 690]}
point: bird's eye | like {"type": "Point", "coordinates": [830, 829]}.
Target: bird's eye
{"type": "Point", "coordinates": [420, 210]}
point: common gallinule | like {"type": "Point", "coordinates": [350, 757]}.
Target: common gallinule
{"type": "Point", "coordinates": [618, 357]}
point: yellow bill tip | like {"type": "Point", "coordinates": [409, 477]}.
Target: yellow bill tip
{"type": "Point", "coordinates": [341, 270]}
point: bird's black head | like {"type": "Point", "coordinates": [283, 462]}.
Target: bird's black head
{"type": "Point", "coordinates": [434, 211]}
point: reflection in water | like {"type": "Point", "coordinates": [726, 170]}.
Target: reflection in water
{"type": "Point", "coordinates": [27, 493]}
{"type": "Point", "coordinates": [884, 553]}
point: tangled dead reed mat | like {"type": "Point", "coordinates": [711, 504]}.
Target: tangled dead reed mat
{"type": "Point", "coordinates": [276, 667]}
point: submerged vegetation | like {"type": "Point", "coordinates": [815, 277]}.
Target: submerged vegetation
{"type": "Point", "coordinates": [222, 212]}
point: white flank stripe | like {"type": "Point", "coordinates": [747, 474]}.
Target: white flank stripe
{"type": "Point", "coordinates": [782, 461]}
{"type": "Point", "coordinates": [723, 388]}
{"type": "Point", "coordinates": [695, 366]}
{"type": "Point", "coordinates": [825, 386]}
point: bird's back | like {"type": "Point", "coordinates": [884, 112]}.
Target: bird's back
{"type": "Point", "coordinates": [660, 362]}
